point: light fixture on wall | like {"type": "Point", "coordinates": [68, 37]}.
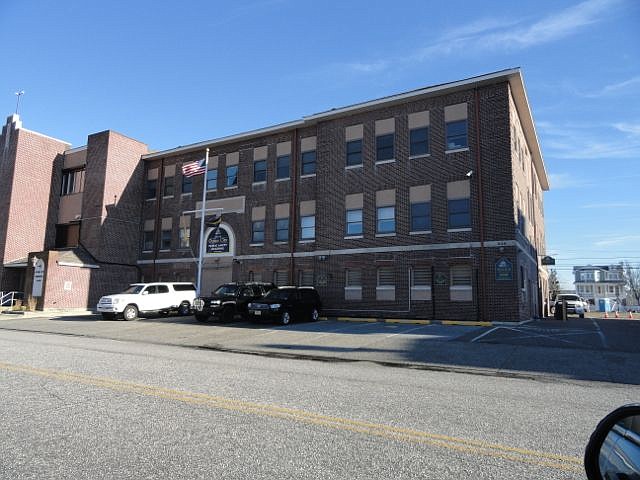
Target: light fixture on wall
{"type": "Point", "coordinates": [469, 173]}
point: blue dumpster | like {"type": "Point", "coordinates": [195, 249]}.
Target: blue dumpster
{"type": "Point", "coordinates": [604, 305]}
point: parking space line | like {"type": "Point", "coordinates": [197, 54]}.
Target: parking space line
{"type": "Point", "coordinates": [600, 334]}
{"type": "Point", "coordinates": [485, 334]}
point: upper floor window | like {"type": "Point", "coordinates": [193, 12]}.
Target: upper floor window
{"type": "Point", "coordinates": [457, 135]}
{"type": "Point", "coordinates": [309, 162]}
{"type": "Point", "coordinates": [354, 152]}
{"type": "Point", "coordinates": [187, 184]}
{"type": "Point", "coordinates": [72, 182]}
{"type": "Point", "coordinates": [384, 147]}
{"type": "Point", "coordinates": [152, 186]}
{"type": "Point", "coordinates": [257, 232]}
{"type": "Point", "coordinates": [232, 175]}
{"type": "Point", "coordinates": [282, 167]}
{"type": "Point", "coordinates": [212, 179]}
{"type": "Point", "coordinates": [282, 229]}
{"type": "Point", "coordinates": [168, 186]}
{"type": "Point", "coordinates": [260, 171]}
{"type": "Point", "coordinates": [419, 141]}
{"type": "Point", "coordinates": [421, 217]}
{"type": "Point", "coordinates": [354, 222]}
{"type": "Point", "coordinates": [386, 220]}
{"type": "Point", "coordinates": [308, 227]}
{"type": "Point", "coordinates": [459, 213]}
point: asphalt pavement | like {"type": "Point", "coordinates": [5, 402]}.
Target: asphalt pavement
{"type": "Point", "coordinates": [576, 350]}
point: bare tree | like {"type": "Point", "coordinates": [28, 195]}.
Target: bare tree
{"type": "Point", "coordinates": [632, 280]}
{"type": "Point", "coordinates": [554, 284]}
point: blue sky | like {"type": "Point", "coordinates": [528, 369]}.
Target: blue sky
{"type": "Point", "coordinates": [173, 73]}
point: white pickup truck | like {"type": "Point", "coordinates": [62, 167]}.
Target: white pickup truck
{"type": "Point", "coordinates": [148, 297]}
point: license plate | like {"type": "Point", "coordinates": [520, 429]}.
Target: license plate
{"type": "Point", "coordinates": [257, 312]}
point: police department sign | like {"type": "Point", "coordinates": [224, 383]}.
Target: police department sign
{"type": "Point", "coordinates": [504, 270]}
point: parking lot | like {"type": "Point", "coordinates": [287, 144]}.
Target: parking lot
{"type": "Point", "coordinates": [585, 349]}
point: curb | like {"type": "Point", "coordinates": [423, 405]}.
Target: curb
{"type": "Point", "coordinates": [413, 321]}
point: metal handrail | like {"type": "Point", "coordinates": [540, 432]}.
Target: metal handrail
{"type": "Point", "coordinates": [7, 299]}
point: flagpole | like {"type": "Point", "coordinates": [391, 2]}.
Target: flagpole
{"type": "Point", "coordinates": [204, 201]}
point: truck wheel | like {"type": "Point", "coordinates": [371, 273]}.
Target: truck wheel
{"type": "Point", "coordinates": [184, 309]}
{"type": "Point", "coordinates": [285, 319]}
{"type": "Point", "coordinates": [315, 315]}
{"type": "Point", "coordinates": [130, 312]}
{"type": "Point", "coordinates": [581, 315]}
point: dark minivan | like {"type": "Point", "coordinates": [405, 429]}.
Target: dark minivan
{"type": "Point", "coordinates": [285, 304]}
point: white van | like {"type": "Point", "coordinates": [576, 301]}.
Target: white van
{"type": "Point", "coordinates": [148, 297]}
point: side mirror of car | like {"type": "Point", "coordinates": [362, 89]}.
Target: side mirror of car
{"type": "Point", "coordinates": [613, 451]}
{"type": "Point", "coordinates": [146, 292]}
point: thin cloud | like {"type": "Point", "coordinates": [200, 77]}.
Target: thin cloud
{"type": "Point", "coordinates": [614, 88]}
{"type": "Point", "coordinates": [631, 128]}
{"type": "Point", "coordinates": [617, 240]}
{"type": "Point", "coordinates": [562, 181]}
{"type": "Point", "coordinates": [494, 34]}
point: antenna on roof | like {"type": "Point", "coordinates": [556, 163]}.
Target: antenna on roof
{"type": "Point", "coordinates": [18, 94]}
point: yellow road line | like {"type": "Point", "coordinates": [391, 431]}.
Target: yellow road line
{"type": "Point", "coordinates": [519, 455]}
{"type": "Point", "coordinates": [408, 322]}
{"type": "Point", "coordinates": [355, 319]}
{"type": "Point", "coordinates": [461, 322]}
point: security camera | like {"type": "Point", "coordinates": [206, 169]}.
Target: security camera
{"type": "Point", "coordinates": [469, 173]}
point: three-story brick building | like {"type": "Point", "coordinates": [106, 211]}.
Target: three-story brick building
{"type": "Point", "coordinates": [426, 204]}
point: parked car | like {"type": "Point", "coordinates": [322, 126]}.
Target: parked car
{"type": "Point", "coordinates": [229, 300]}
{"type": "Point", "coordinates": [575, 304]}
{"type": "Point", "coordinates": [149, 297]}
{"type": "Point", "coordinates": [286, 304]}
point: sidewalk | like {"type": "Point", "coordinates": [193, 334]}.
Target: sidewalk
{"type": "Point", "coordinates": [435, 347]}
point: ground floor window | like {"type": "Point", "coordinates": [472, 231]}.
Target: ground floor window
{"type": "Point", "coordinates": [305, 278]}
{"type": "Point", "coordinates": [461, 289]}
{"type": "Point", "coordinates": [353, 284]}
{"type": "Point", "coordinates": [386, 287]}
{"type": "Point", "coordinates": [421, 283]}
{"type": "Point", "coordinates": [280, 278]}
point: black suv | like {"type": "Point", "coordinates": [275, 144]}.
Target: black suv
{"type": "Point", "coordinates": [285, 304]}
{"type": "Point", "coordinates": [229, 300]}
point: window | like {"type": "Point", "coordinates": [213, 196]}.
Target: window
{"type": "Point", "coordinates": [421, 217]}
{"type": "Point", "coordinates": [147, 239]}
{"type": "Point", "coordinates": [257, 232]}
{"type": "Point", "coordinates": [260, 171]}
{"type": "Point", "coordinates": [187, 184]}
{"type": "Point", "coordinates": [280, 278]}
{"type": "Point", "coordinates": [421, 283]}
{"type": "Point", "coordinates": [67, 235]}
{"type": "Point", "coordinates": [305, 278]}
{"type": "Point", "coordinates": [354, 222]}
{"type": "Point", "coordinates": [459, 213]}
{"type": "Point", "coordinates": [384, 147]}
{"type": "Point", "coordinates": [386, 286]}
{"type": "Point", "coordinates": [151, 189]}
{"type": "Point", "coordinates": [308, 227]}
{"type": "Point", "coordinates": [456, 134]}
{"type": "Point", "coordinates": [282, 229]}
{"type": "Point", "coordinates": [354, 152]}
{"type": "Point", "coordinates": [460, 289]}
{"type": "Point", "coordinates": [184, 234]}
{"type": "Point", "coordinates": [353, 284]}
{"type": "Point", "coordinates": [168, 186]}
{"type": "Point", "coordinates": [212, 179]}
{"type": "Point", "coordinates": [419, 141]}
{"type": "Point", "coordinates": [232, 175]}
{"type": "Point", "coordinates": [308, 162]}
{"type": "Point", "coordinates": [282, 167]}
{"type": "Point", "coordinates": [386, 220]}
{"type": "Point", "coordinates": [165, 241]}
{"type": "Point", "coordinates": [72, 182]}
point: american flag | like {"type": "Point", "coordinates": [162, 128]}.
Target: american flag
{"type": "Point", "coordinates": [192, 169]}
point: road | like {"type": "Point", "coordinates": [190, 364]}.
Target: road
{"type": "Point", "coordinates": [75, 407]}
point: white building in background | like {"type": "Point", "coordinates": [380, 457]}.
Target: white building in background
{"type": "Point", "coordinates": [594, 282]}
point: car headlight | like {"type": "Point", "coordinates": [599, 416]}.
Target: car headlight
{"type": "Point", "coordinates": [215, 302]}
{"type": "Point", "coordinates": [250, 305]}
{"type": "Point", "coordinates": [275, 306]}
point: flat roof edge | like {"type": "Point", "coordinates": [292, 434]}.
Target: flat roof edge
{"type": "Point", "coordinates": [313, 118]}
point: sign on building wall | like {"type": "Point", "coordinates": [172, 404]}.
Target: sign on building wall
{"type": "Point", "coordinates": [504, 270]}
{"type": "Point", "coordinates": [218, 241]}
{"type": "Point", "coordinates": [38, 278]}
{"type": "Point", "coordinates": [440, 279]}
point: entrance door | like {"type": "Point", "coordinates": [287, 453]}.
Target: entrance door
{"type": "Point", "coordinates": [215, 274]}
